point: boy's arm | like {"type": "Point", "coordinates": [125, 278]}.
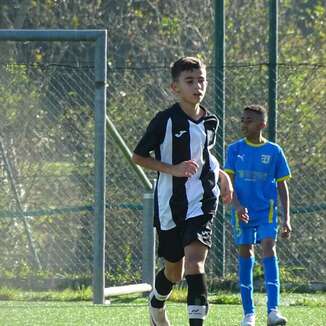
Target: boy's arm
{"type": "Point", "coordinates": [242, 211]}
{"type": "Point", "coordinates": [183, 169]}
{"type": "Point", "coordinates": [285, 201]}
{"type": "Point", "coordinates": [226, 187]}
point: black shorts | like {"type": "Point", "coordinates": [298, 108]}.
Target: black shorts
{"type": "Point", "coordinates": [171, 243]}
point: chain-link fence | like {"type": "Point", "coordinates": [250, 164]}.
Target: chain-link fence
{"type": "Point", "coordinates": [303, 137]}
{"type": "Point", "coordinates": [297, 255]}
{"type": "Point", "coordinates": [47, 171]}
{"type": "Point", "coordinates": [47, 137]}
{"type": "Point", "coordinates": [300, 133]}
{"type": "Point", "coordinates": [47, 163]}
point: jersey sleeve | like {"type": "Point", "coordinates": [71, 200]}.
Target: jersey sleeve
{"type": "Point", "coordinates": [229, 166]}
{"type": "Point", "coordinates": [282, 167]}
{"type": "Point", "coordinates": [152, 137]}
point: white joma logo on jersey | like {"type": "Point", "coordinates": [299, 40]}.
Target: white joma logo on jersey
{"type": "Point", "coordinates": [180, 133]}
{"type": "Point", "coordinates": [265, 159]}
{"type": "Point", "coordinates": [241, 157]}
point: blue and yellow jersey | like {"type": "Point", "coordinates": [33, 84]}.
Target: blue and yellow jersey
{"type": "Point", "coordinates": [256, 169]}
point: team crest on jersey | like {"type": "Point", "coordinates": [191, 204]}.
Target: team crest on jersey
{"type": "Point", "coordinates": [265, 159]}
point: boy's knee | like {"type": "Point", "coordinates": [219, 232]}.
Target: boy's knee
{"type": "Point", "coordinates": [174, 276]}
{"type": "Point", "coordinates": [194, 266]}
{"type": "Point", "coordinates": [246, 251]}
{"type": "Point", "coordinates": [269, 247]}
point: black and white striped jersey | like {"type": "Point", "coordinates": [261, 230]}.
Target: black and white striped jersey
{"type": "Point", "coordinates": [175, 137]}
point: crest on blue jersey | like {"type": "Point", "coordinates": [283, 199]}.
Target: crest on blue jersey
{"type": "Point", "coordinates": [265, 159]}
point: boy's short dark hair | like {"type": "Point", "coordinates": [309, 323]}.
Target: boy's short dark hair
{"type": "Point", "coordinates": [185, 64]}
{"type": "Point", "coordinates": [259, 109]}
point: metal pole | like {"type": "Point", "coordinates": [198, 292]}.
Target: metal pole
{"type": "Point", "coordinates": [148, 240]}
{"type": "Point", "coordinates": [127, 154]}
{"type": "Point", "coordinates": [272, 70]}
{"type": "Point", "coordinates": [220, 111]}
{"type": "Point", "coordinates": [100, 161]}
{"type": "Point", "coordinates": [50, 34]}
{"type": "Point", "coordinates": [100, 37]}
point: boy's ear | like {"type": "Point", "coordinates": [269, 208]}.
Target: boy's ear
{"type": "Point", "coordinates": [174, 87]}
{"type": "Point", "coordinates": [263, 125]}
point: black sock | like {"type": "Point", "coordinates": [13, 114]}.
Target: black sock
{"type": "Point", "coordinates": [197, 299]}
{"type": "Point", "coordinates": [163, 288]}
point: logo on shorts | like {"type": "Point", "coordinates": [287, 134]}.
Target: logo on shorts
{"type": "Point", "coordinates": [265, 159]}
{"type": "Point", "coordinates": [180, 133]}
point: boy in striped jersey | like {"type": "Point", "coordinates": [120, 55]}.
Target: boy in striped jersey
{"type": "Point", "coordinates": [186, 194]}
{"type": "Point", "coordinates": [259, 170]}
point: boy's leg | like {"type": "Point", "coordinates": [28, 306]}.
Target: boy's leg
{"type": "Point", "coordinates": [171, 249]}
{"type": "Point", "coordinates": [197, 240]}
{"type": "Point", "coordinates": [271, 274]}
{"type": "Point", "coordinates": [245, 238]}
{"type": "Point", "coordinates": [164, 281]}
{"type": "Point", "coordinates": [161, 291]}
{"type": "Point", "coordinates": [272, 283]}
{"type": "Point", "coordinates": [246, 266]}
{"type": "Point", "coordinates": [195, 257]}
{"type": "Point", "coordinates": [267, 234]}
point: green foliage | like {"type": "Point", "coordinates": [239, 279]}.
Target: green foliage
{"type": "Point", "coordinates": [82, 294]}
{"type": "Point", "coordinates": [310, 301]}
{"type": "Point", "coordinates": [179, 294]}
{"type": "Point", "coordinates": [258, 271]}
{"type": "Point", "coordinates": [224, 298]}
{"type": "Point", "coordinates": [292, 274]}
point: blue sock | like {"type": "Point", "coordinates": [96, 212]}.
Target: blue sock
{"type": "Point", "coordinates": [246, 267]}
{"type": "Point", "coordinates": [272, 282]}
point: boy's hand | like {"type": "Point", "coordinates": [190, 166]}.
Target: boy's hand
{"type": "Point", "coordinates": [226, 189]}
{"type": "Point", "coordinates": [185, 169]}
{"type": "Point", "coordinates": [286, 230]}
{"type": "Point", "coordinates": [243, 214]}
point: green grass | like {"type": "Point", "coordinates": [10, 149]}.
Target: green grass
{"type": "Point", "coordinates": [15, 313]}
{"type": "Point", "coordinates": [179, 295]}
{"type": "Point", "coordinates": [71, 307]}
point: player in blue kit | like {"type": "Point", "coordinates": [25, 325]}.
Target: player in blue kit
{"type": "Point", "coordinates": [258, 170]}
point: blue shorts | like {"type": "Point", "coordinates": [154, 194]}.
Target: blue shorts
{"type": "Point", "coordinates": [253, 234]}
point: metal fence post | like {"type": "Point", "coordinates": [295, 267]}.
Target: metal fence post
{"type": "Point", "coordinates": [272, 70]}
{"type": "Point", "coordinates": [100, 172]}
{"type": "Point", "coordinates": [220, 111]}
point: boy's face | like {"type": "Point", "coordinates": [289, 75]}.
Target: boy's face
{"type": "Point", "coordinates": [252, 123]}
{"type": "Point", "coordinates": [190, 87]}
